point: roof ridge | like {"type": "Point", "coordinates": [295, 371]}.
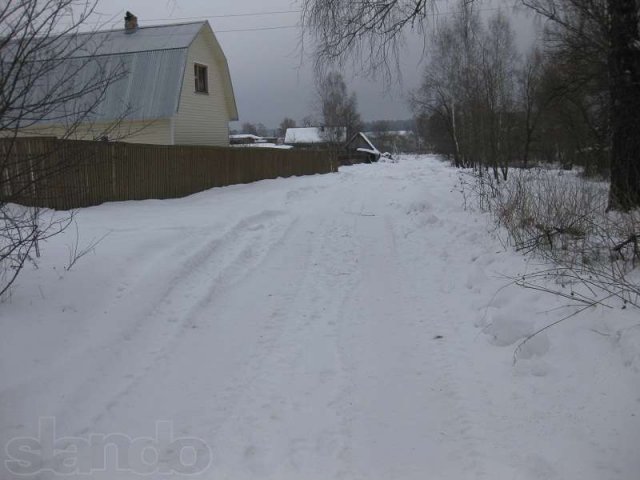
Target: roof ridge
{"type": "Point", "coordinates": [92, 32]}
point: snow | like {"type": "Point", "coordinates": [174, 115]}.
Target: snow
{"type": "Point", "coordinates": [263, 145]}
{"type": "Point", "coordinates": [372, 149]}
{"type": "Point", "coordinates": [399, 133]}
{"type": "Point", "coordinates": [314, 134]}
{"type": "Point", "coordinates": [245, 136]}
{"type": "Point", "coordinates": [368, 150]}
{"type": "Point", "coordinates": [352, 325]}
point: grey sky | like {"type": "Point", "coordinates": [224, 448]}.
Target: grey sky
{"type": "Point", "coordinates": [270, 78]}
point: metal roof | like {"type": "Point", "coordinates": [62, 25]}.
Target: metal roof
{"type": "Point", "coordinates": [153, 60]}
{"type": "Point", "coordinates": [145, 86]}
{"type": "Point", "coordinates": [149, 90]}
{"type": "Point", "coordinates": [144, 39]}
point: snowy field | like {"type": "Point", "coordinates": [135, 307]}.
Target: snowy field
{"type": "Point", "coordinates": [347, 326]}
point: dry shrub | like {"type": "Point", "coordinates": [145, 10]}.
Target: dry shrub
{"type": "Point", "coordinates": [591, 255]}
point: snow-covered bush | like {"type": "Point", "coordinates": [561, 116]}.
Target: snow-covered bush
{"type": "Point", "coordinates": [591, 255]}
{"type": "Point", "coordinates": [22, 229]}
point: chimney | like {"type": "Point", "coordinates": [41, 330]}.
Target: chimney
{"type": "Point", "coordinates": [130, 23]}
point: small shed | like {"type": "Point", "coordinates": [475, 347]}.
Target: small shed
{"type": "Point", "coordinates": [361, 144]}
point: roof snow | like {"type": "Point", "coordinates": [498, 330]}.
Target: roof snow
{"type": "Point", "coordinates": [315, 135]}
{"type": "Point", "coordinates": [263, 145]}
{"type": "Point", "coordinates": [372, 148]}
{"type": "Point", "coordinates": [245, 136]}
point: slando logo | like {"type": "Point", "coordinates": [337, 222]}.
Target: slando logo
{"type": "Point", "coordinates": [113, 452]}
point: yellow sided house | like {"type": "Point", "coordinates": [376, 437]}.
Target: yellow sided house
{"type": "Point", "coordinates": [173, 87]}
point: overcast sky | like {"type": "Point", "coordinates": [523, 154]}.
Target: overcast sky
{"type": "Point", "coordinates": [271, 78]}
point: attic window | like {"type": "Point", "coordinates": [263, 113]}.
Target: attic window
{"type": "Point", "coordinates": [202, 85]}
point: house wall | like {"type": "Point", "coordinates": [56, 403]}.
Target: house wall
{"type": "Point", "coordinates": [203, 118]}
{"type": "Point", "coordinates": [156, 132]}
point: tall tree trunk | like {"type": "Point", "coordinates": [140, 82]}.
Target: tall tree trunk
{"type": "Point", "coordinates": [454, 132]}
{"type": "Point", "coordinates": [624, 78]}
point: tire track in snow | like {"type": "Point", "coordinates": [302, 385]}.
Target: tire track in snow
{"type": "Point", "coordinates": [376, 345]}
{"type": "Point", "coordinates": [296, 376]}
{"type": "Point", "coordinates": [216, 265]}
{"type": "Point", "coordinates": [390, 348]}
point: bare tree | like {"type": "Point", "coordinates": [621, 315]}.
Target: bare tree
{"type": "Point", "coordinates": [529, 91]}
{"type": "Point", "coordinates": [249, 128]}
{"type": "Point", "coordinates": [442, 90]}
{"type": "Point", "coordinates": [469, 88]}
{"type": "Point", "coordinates": [372, 31]}
{"type": "Point", "coordinates": [369, 30]}
{"type": "Point", "coordinates": [497, 75]}
{"type": "Point", "coordinates": [308, 121]}
{"type": "Point", "coordinates": [606, 33]}
{"type": "Point", "coordinates": [286, 124]}
{"type": "Point", "coordinates": [261, 130]}
{"type": "Point", "coordinates": [624, 78]}
{"type": "Point", "coordinates": [570, 108]}
{"type": "Point", "coordinates": [49, 75]}
{"type": "Point", "coordinates": [575, 81]}
{"type": "Point", "coordinates": [338, 107]}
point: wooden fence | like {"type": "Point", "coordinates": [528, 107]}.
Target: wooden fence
{"type": "Point", "coordinates": [67, 174]}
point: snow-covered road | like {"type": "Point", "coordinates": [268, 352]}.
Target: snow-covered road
{"type": "Point", "coordinates": [344, 326]}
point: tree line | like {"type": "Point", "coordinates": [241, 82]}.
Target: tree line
{"type": "Point", "coordinates": [576, 100]}
{"type": "Point", "coordinates": [488, 107]}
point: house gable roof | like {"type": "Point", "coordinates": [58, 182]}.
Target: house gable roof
{"type": "Point", "coordinates": [362, 136]}
{"type": "Point", "coordinates": [230, 98]}
{"type": "Point", "coordinates": [153, 60]}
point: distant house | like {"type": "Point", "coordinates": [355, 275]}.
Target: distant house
{"type": "Point", "coordinates": [315, 137]}
{"type": "Point", "coordinates": [361, 144]}
{"type": "Point", "coordinates": [254, 141]}
{"type": "Point", "coordinates": [176, 87]}
{"type": "Point", "coordinates": [249, 140]}
{"type": "Point", "coordinates": [245, 139]}
{"type": "Point", "coordinates": [394, 140]}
